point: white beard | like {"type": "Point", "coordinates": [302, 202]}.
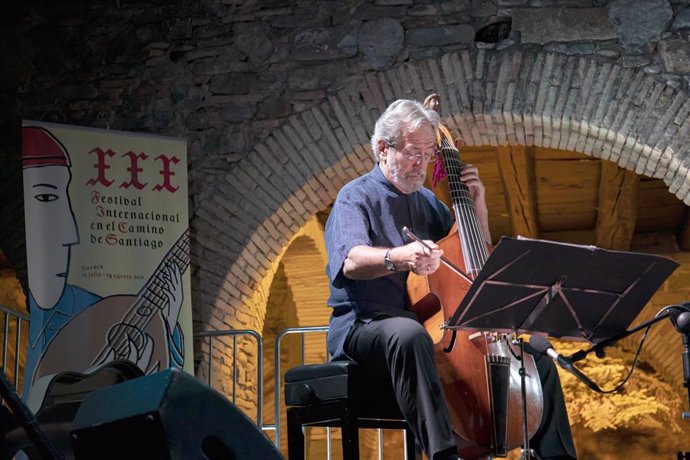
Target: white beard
{"type": "Point", "coordinates": [402, 183]}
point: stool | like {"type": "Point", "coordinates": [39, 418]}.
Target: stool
{"type": "Point", "coordinates": [340, 394]}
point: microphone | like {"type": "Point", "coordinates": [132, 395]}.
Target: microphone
{"type": "Point", "coordinates": [542, 345]}
{"type": "Point", "coordinates": [680, 317]}
{"type": "Point", "coordinates": [683, 323]}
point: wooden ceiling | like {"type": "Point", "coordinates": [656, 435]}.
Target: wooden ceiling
{"type": "Point", "coordinates": [571, 197]}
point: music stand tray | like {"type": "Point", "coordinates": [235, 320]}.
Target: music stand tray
{"type": "Point", "coordinates": [559, 289]}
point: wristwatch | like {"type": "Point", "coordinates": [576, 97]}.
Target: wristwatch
{"type": "Point", "coordinates": [387, 260]}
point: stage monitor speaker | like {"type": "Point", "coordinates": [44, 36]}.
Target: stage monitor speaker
{"type": "Point", "coordinates": [167, 415]}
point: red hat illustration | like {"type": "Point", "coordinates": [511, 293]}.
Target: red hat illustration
{"type": "Point", "coordinates": [41, 148]}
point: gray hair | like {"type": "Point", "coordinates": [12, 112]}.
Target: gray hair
{"type": "Point", "coordinates": [401, 115]}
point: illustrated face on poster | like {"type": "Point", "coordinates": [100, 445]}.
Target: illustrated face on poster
{"type": "Point", "coordinates": [51, 231]}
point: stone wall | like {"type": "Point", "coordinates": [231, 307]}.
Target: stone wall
{"type": "Point", "coordinates": [224, 74]}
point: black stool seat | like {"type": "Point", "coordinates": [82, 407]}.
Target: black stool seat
{"type": "Point", "coordinates": [340, 394]}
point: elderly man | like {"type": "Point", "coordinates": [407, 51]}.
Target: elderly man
{"type": "Point", "coordinates": [369, 262]}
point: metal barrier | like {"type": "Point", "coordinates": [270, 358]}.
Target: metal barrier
{"type": "Point", "coordinates": [234, 333]}
{"type": "Point", "coordinates": [19, 319]}
{"type": "Point", "coordinates": [22, 323]}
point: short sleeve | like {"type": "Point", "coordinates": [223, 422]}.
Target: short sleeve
{"type": "Point", "coordinates": [348, 226]}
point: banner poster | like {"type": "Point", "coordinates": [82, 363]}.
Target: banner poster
{"type": "Point", "coordinates": [107, 238]}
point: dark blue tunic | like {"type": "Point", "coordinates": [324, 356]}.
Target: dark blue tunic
{"type": "Point", "coordinates": [370, 211]}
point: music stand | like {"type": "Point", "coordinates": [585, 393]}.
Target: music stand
{"type": "Point", "coordinates": [559, 289]}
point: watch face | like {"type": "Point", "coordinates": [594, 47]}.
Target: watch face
{"type": "Point", "coordinates": [388, 262]}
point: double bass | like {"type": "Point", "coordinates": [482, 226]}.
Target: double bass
{"type": "Point", "coordinates": [479, 370]}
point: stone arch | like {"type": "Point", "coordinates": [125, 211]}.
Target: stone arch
{"type": "Point", "coordinates": [521, 97]}
{"type": "Point", "coordinates": [304, 263]}
{"type": "Point", "coordinates": [295, 282]}
{"type": "Point", "coordinates": [302, 291]}
{"type": "Point", "coordinates": [298, 295]}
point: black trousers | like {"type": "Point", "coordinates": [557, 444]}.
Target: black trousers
{"type": "Point", "coordinates": [401, 348]}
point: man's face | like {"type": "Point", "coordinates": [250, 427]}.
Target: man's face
{"type": "Point", "coordinates": [50, 231]}
{"type": "Point", "coordinates": [405, 164]}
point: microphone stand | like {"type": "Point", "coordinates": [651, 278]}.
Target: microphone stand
{"type": "Point", "coordinates": [680, 321]}
{"type": "Point", "coordinates": [598, 347]}
{"type": "Point", "coordinates": [682, 324]}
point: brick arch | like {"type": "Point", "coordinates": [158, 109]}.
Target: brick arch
{"type": "Point", "coordinates": [304, 263]}
{"type": "Point", "coordinates": [491, 98]}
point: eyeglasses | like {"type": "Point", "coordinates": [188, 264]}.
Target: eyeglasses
{"type": "Point", "coordinates": [416, 155]}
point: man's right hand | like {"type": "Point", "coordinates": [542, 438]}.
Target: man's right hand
{"type": "Point", "coordinates": [366, 262]}
{"type": "Point", "coordinates": [417, 258]}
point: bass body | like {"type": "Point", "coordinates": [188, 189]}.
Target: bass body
{"type": "Point", "coordinates": [479, 370]}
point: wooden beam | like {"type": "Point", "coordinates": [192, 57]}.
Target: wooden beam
{"type": "Point", "coordinates": [516, 164]}
{"type": "Point", "coordinates": [617, 210]}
